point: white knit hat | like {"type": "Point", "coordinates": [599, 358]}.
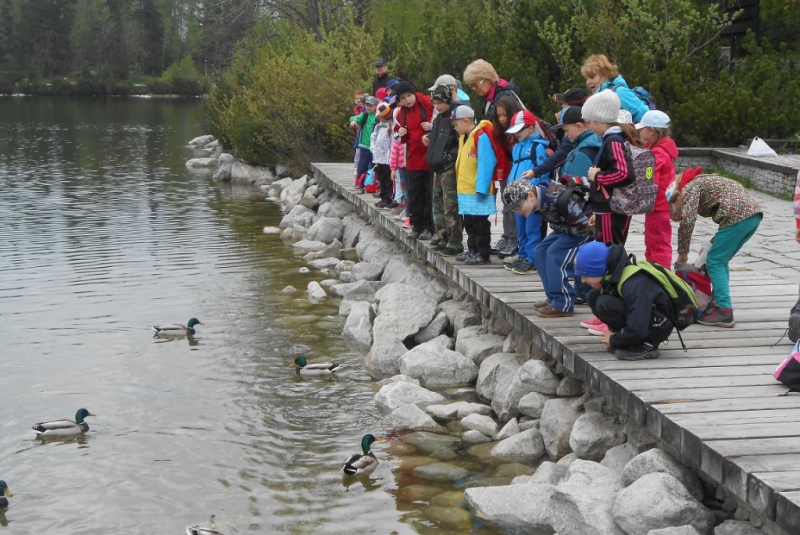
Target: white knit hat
{"type": "Point", "coordinates": [602, 107]}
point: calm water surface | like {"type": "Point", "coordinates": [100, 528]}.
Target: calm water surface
{"type": "Point", "coordinates": [103, 232]}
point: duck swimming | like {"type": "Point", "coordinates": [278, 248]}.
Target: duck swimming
{"type": "Point", "coordinates": [62, 428]}
{"type": "Point", "coordinates": [358, 464]}
{"type": "Point", "coordinates": [176, 329]}
{"type": "Point", "coordinates": [5, 494]}
{"type": "Point", "coordinates": [314, 368]}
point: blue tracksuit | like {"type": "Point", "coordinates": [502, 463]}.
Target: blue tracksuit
{"type": "Point", "coordinates": [527, 154]}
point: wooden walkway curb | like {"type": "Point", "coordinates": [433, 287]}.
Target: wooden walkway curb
{"type": "Point", "coordinates": [716, 405]}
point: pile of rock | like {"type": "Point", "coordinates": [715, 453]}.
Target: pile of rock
{"type": "Point", "coordinates": [210, 155]}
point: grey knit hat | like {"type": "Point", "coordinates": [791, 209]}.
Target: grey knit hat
{"type": "Point", "coordinates": [602, 107]}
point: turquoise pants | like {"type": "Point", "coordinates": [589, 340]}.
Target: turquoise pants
{"type": "Point", "coordinates": [727, 243]}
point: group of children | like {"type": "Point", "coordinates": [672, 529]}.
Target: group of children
{"type": "Point", "coordinates": [563, 177]}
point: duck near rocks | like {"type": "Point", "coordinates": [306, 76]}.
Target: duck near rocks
{"type": "Point", "coordinates": [5, 494]}
{"type": "Point", "coordinates": [362, 463]}
{"type": "Point", "coordinates": [314, 368]}
{"type": "Point", "coordinates": [63, 428]}
{"type": "Point", "coordinates": [197, 530]}
{"type": "Point", "coordinates": [176, 329]}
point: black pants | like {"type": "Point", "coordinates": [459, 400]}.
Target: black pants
{"type": "Point", "coordinates": [420, 200]}
{"type": "Point", "coordinates": [611, 227]}
{"type": "Point", "coordinates": [613, 312]}
{"type": "Point", "coordinates": [479, 234]}
{"type": "Point", "coordinates": [384, 175]}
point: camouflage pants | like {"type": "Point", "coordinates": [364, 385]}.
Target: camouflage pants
{"type": "Point", "coordinates": [445, 210]}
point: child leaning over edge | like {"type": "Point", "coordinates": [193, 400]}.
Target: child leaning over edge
{"type": "Point", "coordinates": [474, 175]}
{"type": "Point", "coordinates": [728, 204]}
{"type": "Point", "coordinates": [654, 130]}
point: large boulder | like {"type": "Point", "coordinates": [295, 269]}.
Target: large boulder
{"type": "Point", "coordinates": [200, 163]}
{"type": "Point", "coordinates": [244, 174]}
{"type": "Point", "coordinates": [523, 447]}
{"type": "Point", "coordinates": [532, 404]}
{"type": "Point", "coordinates": [338, 208]}
{"type": "Point", "coordinates": [402, 311]}
{"type": "Point", "coordinates": [326, 229]}
{"type": "Point", "coordinates": [435, 366]}
{"type": "Point", "coordinates": [617, 457]}
{"type": "Point", "coordinates": [291, 196]}
{"type": "Point", "coordinates": [582, 503]}
{"type": "Point", "coordinates": [353, 225]}
{"type": "Point", "coordinates": [359, 323]}
{"type": "Point", "coordinates": [316, 292]}
{"type": "Point", "coordinates": [202, 141]}
{"type": "Point", "coordinates": [519, 506]}
{"type": "Point", "coordinates": [488, 371]}
{"type": "Point", "coordinates": [509, 430]}
{"type": "Point", "coordinates": [446, 411]}
{"type": "Point", "coordinates": [477, 345]}
{"type": "Point", "coordinates": [366, 271]}
{"type": "Point", "coordinates": [480, 422]}
{"type": "Point", "coordinates": [400, 393]}
{"type": "Point", "coordinates": [657, 460]}
{"type": "Point", "coordinates": [397, 269]}
{"type": "Point", "coordinates": [299, 215]}
{"type": "Point", "coordinates": [558, 417]}
{"type": "Point", "coordinates": [539, 376]}
{"type": "Point", "coordinates": [352, 293]}
{"type": "Point", "coordinates": [309, 245]}
{"type": "Point", "coordinates": [533, 376]}
{"type": "Point", "coordinates": [467, 315]}
{"type": "Point", "coordinates": [550, 473]}
{"type": "Point", "coordinates": [735, 527]}
{"type": "Point", "coordinates": [594, 434]}
{"type": "Point", "coordinates": [656, 501]}
{"type": "Point", "coordinates": [409, 416]}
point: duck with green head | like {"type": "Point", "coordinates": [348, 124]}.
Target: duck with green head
{"type": "Point", "coordinates": [5, 494]}
{"type": "Point", "coordinates": [63, 428]}
{"type": "Point", "coordinates": [358, 463]}
{"type": "Point", "coordinates": [176, 329]}
{"type": "Point", "coordinates": [314, 368]}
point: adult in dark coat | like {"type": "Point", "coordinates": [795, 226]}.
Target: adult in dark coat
{"type": "Point", "coordinates": [382, 77]}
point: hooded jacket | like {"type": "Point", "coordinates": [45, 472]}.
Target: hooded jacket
{"type": "Point", "coordinates": [576, 221]}
{"type": "Point", "coordinates": [582, 156]}
{"type": "Point", "coordinates": [412, 119]}
{"type": "Point", "coordinates": [443, 147]}
{"type": "Point", "coordinates": [500, 89]}
{"type": "Point", "coordinates": [366, 123]}
{"type": "Point", "coordinates": [641, 294]}
{"type": "Point", "coordinates": [665, 152]}
{"type": "Point", "coordinates": [627, 98]}
{"type": "Point", "coordinates": [475, 169]}
{"type": "Point", "coordinates": [526, 155]}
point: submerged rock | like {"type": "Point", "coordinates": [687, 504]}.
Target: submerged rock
{"type": "Point", "coordinates": [411, 417]}
{"type": "Point", "coordinates": [428, 442]}
{"type": "Point", "coordinates": [440, 472]}
{"type": "Point", "coordinates": [474, 437]}
{"type": "Point", "coordinates": [523, 506]}
{"type": "Point", "coordinates": [481, 423]}
{"type": "Point", "coordinates": [316, 292]}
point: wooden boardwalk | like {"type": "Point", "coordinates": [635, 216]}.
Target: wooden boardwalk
{"type": "Point", "coordinates": [716, 405]}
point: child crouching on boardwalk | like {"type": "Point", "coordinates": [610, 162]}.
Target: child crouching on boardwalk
{"type": "Point", "coordinates": [635, 306]}
{"type": "Point", "coordinates": [565, 209]}
{"type": "Point", "coordinates": [474, 173]}
{"type": "Point", "coordinates": [728, 204]}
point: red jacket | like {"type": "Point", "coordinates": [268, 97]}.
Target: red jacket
{"type": "Point", "coordinates": [665, 152]}
{"type": "Point", "coordinates": [412, 119]}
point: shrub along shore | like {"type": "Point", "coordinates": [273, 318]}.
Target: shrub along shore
{"type": "Point", "coordinates": [427, 343]}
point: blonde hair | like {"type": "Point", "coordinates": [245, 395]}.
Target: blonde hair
{"type": "Point", "coordinates": [599, 64]}
{"type": "Point", "coordinates": [480, 70]}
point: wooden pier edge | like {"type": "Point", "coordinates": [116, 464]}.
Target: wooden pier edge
{"type": "Point", "coordinates": [762, 469]}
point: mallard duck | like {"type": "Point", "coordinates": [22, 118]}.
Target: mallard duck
{"type": "Point", "coordinates": [197, 530]}
{"type": "Point", "coordinates": [5, 493]}
{"type": "Point", "coordinates": [60, 428]}
{"type": "Point", "coordinates": [315, 368]}
{"type": "Point", "coordinates": [176, 329]}
{"type": "Point", "coordinates": [362, 463]}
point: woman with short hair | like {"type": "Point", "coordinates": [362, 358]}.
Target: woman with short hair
{"type": "Point", "coordinates": [481, 77]}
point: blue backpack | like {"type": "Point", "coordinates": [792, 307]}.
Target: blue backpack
{"type": "Point", "coordinates": [641, 93]}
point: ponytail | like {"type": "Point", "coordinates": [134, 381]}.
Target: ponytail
{"type": "Point", "coordinates": [631, 134]}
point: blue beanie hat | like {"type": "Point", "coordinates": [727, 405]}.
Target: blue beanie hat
{"type": "Point", "coordinates": [592, 260]}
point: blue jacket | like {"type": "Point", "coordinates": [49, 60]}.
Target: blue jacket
{"type": "Point", "coordinates": [582, 156]}
{"type": "Point", "coordinates": [527, 154]}
{"type": "Point", "coordinates": [627, 97]}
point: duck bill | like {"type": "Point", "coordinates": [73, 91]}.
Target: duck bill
{"type": "Point", "coordinates": [293, 365]}
{"type": "Point", "coordinates": [7, 492]}
{"type": "Point", "coordinates": [90, 414]}
{"type": "Point", "coordinates": [379, 439]}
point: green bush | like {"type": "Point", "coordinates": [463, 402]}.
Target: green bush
{"type": "Point", "coordinates": [289, 101]}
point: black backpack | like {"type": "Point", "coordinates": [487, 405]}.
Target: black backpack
{"type": "Point", "coordinates": [789, 371]}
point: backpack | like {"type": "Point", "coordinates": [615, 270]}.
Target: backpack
{"type": "Point", "coordinates": [370, 184]}
{"type": "Point", "coordinates": [681, 295]}
{"type": "Point", "coordinates": [640, 196]}
{"type": "Point", "coordinates": [563, 200]}
{"type": "Point", "coordinates": [641, 93]}
{"type": "Point", "coordinates": [422, 113]}
{"type": "Point", "coordinates": [789, 371]}
{"type": "Point", "coordinates": [549, 133]}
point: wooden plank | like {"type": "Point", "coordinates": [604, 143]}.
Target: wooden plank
{"type": "Point", "coordinates": [733, 449]}
{"type": "Point", "coordinates": [788, 510]}
{"type": "Point", "coordinates": [728, 406]}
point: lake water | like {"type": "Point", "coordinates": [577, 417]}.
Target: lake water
{"type": "Point", "coordinates": [103, 233]}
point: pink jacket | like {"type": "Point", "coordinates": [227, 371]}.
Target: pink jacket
{"type": "Point", "coordinates": [397, 156]}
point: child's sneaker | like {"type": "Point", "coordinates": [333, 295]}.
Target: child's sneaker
{"type": "Point", "coordinates": [508, 250]}
{"type": "Point", "coordinates": [476, 259]}
{"type": "Point", "coordinates": [450, 251]}
{"type": "Point", "coordinates": [599, 330]}
{"type": "Point", "coordinates": [719, 317]}
{"type": "Point", "coordinates": [524, 267]}
{"type": "Point", "coordinates": [380, 204]}
{"type": "Point", "coordinates": [594, 322]}
{"type": "Point", "coordinates": [644, 352]}
{"type": "Point", "coordinates": [511, 265]}
{"type": "Point", "coordinates": [407, 222]}
{"type": "Point", "coordinates": [397, 210]}
{"type": "Point", "coordinates": [464, 255]}
{"type": "Point", "coordinates": [498, 245]}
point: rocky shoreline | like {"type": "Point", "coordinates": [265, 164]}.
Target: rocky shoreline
{"type": "Point", "coordinates": [430, 347]}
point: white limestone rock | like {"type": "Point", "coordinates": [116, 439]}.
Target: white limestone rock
{"type": "Point", "coordinates": [316, 292]}
{"type": "Point", "coordinates": [533, 403]}
{"type": "Point", "coordinates": [397, 269]}
{"type": "Point", "coordinates": [594, 434]}
{"type": "Point", "coordinates": [539, 377]}
{"type": "Point", "coordinates": [326, 230]}
{"type": "Point", "coordinates": [409, 416]}
{"type": "Point", "coordinates": [617, 457]}
{"type": "Point", "coordinates": [309, 245]}
{"type": "Point", "coordinates": [481, 423]}
{"type": "Point", "coordinates": [570, 386]}
{"type": "Point", "coordinates": [400, 393]}
{"type": "Point", "coordinates": [200, 163]}
{"type": "Point", "coordinates": [549, 473]}
{"type": "Point", "coordinates": [446, 411]}
{"type": "Point", "coordinates": [656, 501]}
{"type": "Point", "coordinates": [353, 225]}
{"type": "Point", "coordinates": [435, 366]}
{"type": "Point", "coordinates": [474, 408]}
{"type": "Point", "coordinates": [558, 417]}
{"type": "Point", "coordinates": [289, 290]}
{"type": "Point", "coordinates": [656, 460]}
{"type": "Point", "coordinates": [509, 430]}
{"type": "Point", "coordinates": [367, 271]}
{"type": "Point", "coordinates": [582, 503]}
{"type": "Point", "coordinates": [485, 384]}
{"type": "Point", "coordinates": [436, 327]}
{"type": "Point", "coordinates": [396, 379]}
{"type": "Point", "coordinates": [683, 530]}
{"type": "Point", "coordinates": [299, 215]}
{"type": "Point", "coordinates": [202, 141]}
{"type": "Point", "coordinates": [736, 527]}
{"type": "Point", "coordinates": [477, 345]}
{"type": "Point", "coordinates": [526, 446]}
{"type": "Point", "coordinates": [323, 263]}
{"type": "Point", "coordinates": [474, 437]}
{"type": "Point", "coordinates": [467, 315]}
{"type": "Point", "coordinates": [517, 506]}
{"type": "Point", "coordinates": [358, 325]}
